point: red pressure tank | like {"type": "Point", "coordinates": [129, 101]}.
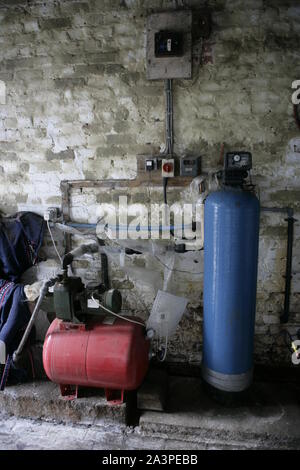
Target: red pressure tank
{"type": "Point", "coordinates": [110, 356]}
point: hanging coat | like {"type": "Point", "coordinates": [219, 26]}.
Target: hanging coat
{"type": "Point", "coordinates": [21, 237]}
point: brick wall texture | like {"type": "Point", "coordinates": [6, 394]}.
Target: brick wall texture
{"type": "Point", "coordinates": [78, 106]}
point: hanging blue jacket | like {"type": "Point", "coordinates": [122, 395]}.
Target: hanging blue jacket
{"type": "Point", "coordinates": [21, 237]}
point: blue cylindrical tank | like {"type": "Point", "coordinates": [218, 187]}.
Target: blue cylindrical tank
{"type": "Point", "coordinates": [231, 232]}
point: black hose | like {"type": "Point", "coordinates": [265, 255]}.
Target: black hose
{"type": "Point", "coordinates": [81, 250]}
{"type": "Point", "coordinates": [165, 184]}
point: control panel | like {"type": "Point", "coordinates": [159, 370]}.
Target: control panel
{"type": "Point", "coordinates": [236, 168]}
{"type": "Point", "coordinates": [190, 166]}
{"type": "Point", "coordinates": [151, 164]}
{"type": "Point", "coordinates": [238, 161]}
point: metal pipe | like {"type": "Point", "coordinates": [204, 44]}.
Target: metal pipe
{"type": "Point", "coordinates": [104, 270]}
{"type": "Point", "coordinates": [43, 292]}
{"type": "Point", "coordinates": [284, 318]}
{"type": "Point", "coordinates": [81, 250]}
{"type": "Point", "coordinates": [290, 235]}
{"type": "Point", "coordinates": [169, 117]}
{"type": "Point", "coordinates": [288, 271]}
{"type": "Point", "coordinates": [288, 210]}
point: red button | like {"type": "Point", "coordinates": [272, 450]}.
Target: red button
{"type": "Point", "coordinates": [168, 167]}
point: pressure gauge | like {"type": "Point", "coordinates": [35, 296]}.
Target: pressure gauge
{"type": "Point", "coordinates": [237, 158]}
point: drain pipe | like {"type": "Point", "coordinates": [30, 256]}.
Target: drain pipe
{"type": "Point", "coordinates": [288, 272]}
{"type": "Point", "coordinates": [284, 318]}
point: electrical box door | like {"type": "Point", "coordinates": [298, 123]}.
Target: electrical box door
{"type": "Point", "coordinates": [169, 45]}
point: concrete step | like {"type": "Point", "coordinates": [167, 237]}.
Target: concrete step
{"type": "Point", "coordinates": [42, 400]}
{"type": "Point", "coordinates": [267, 417]}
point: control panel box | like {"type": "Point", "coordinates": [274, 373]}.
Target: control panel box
{"type": "Point", "coordinates": [238, 161]}
{"type": "Point", "coordinates": [169, 45]}
{"type": "Point", "coordinates": [236, 168]}
{"type": "Point", "coordinates": [151, 164]}
{"type": "Point", "coordinates": [190, 166]}
{"type": "Point", "coordinates": [168, 168]}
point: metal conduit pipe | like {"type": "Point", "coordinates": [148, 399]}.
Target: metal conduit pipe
{"type": "Point", "coordinates": [169, 117]}
{"type": "Point", "coordinates": [169, 129]}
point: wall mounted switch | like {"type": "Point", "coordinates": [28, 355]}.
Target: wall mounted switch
{"type": "Point", "coordinates": [168, 168]}
{"type": "Point", "coordinates": [151, 164]}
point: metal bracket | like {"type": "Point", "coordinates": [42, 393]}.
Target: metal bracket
{"type": "Point", "coordinates": [69, 392]}
{"type": "Point", "coordinates": [114, 397]}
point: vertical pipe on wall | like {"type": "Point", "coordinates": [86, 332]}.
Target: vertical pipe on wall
{"type": "Point", "coordinates": [288, 271]}
{"type": "Point", "coordinates": [169, 117]}
{"type": "Point", "coordinates": [284, 318]}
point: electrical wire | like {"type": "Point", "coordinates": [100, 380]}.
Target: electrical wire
{"type": "Point", "coordinates": [176, 270]}
{"type": "Point", "coordinates": [165, 265]}
{"type": "Point", "coordinates": [116, 314]}
{"type": "Point", "coordinates": [165, 184]}
{"type": "Point", "coordinates": [165, 351]}
{"type": "Point", "coordinates": [52, 239]}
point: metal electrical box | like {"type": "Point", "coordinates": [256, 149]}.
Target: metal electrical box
{"type": "Point", "coordinates": [190, 166]}
{"type": "Point", "coordinates": [238, 161]}
{"type": "Point", "coordinates": [169, 45]}
{"type": "Point", "coordinates": [236, 168]}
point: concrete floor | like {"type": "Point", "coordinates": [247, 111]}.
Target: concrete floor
{"type": "Point", "coordinates": [267, 418]}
